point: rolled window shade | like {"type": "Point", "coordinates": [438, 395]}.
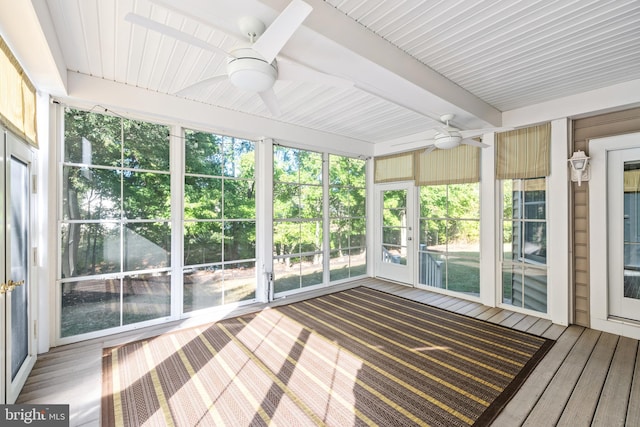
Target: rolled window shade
{"type": "Point", "coordinates": [523, 153]}
{"type": "Point", "coordinates": [17, 97]}
{"type": "Point", "coordinates": [455, 166]}
{"type": "Point", "coordinates": [397, 167]}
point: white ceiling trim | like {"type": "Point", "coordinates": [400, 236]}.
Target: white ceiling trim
{"type": "Point", "coordinates": [616, 97]}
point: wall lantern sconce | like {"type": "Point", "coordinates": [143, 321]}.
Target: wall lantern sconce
{"type": "Point", "coordinates": [580, 170]}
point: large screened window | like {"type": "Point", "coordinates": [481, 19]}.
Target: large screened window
{"type": "Point", "coordinates": [347, 214]}
{"type": "Point", "coordinates": [524, 267]}
{"type": "Point", "coordinates": [449, 248]}
{"type": "Point", "coordinates": [219, 221]}
{"type": "Point", "coordinates": [297, 218]}
{"type": "Point", "coordinates": [114, 229]}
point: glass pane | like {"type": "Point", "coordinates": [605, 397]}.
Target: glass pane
{"type": "Point", "coordinates": [286, 201]}
{"type": "Point", "coordinates": [145, 297]}
{"type": "Point", "coordinates": [311, 268]}
{"type": "Point", "coordinates": [535, 289]}
{"type": "Point", "coordinates": [202, 198]}
{"type": "Point", "coordinates": [433, 201]}
{"type": "Point", "coordinates": [202, 242]}
{"type": "Point", "coordinates": [239, 240]}
{"type": "Point", "coordinates": [510, 233]}
{"type": "Point", "coordinates": [463, 201]}
{"type": "Point", "coordinates": [338, 202]}
{"type": "Point", "coordinates": [239, 282]}
{"type": "Point", "coordinates": [286, 238]}
{"type": "Point", "coordinates": [395, 199]}
{"type": "Point", "coordinates": [89, 306]}
{"type": "Point", "coordinates": [239, 158]}
{"type": "Point", "coordinates": [239, 199]}
{"type": "Point", "coordinates": [19, 269]}
{"type": "Point", "coordinates": [511, 282]}
{"type": "Point", "coordinates": [510, 199]}
{"type": "Point", "coordinates": [203, 288]}
{"type": "Point", "coordinates": [89, 249]}
{"type": "Point", "coordinates": [431, 269]}
{"type": "Point", "coordinates": [89, 193]}
{"type": "Point", "coordinates": [463, 272]}
{"type": "Point", "coordinates": [394, 235]}
{"type": "Point", "coordinates": [631, 287]}
{"type": "Point", "coordinates": [146, 145]}
{"type": "Point", "coordinates": [339, 170]}
{"type": "Point", "coordinates": [358, 261]}
{"type": "Point", "coordinates": [147, 246]}
{"type": "Point", "coordinates": [535, 241]}
{"type": "Point", "coordinates": [311, 236]}
{"type": "Point", "coordinates": [339, 234]}
{"type": "Point", "coordinates": [310, 167]}
{"type": "Point", "coordinates": [358, 233]}
{"type": "Point", "coordinates": [357, 176]}
{"type": "Point", "coordinates": [203, 153]}
{"type": "Point", "coordinates": [433, 234]}
{"type": "Point", "coordinates": [91, 138]}
{"type": "Point", "coordinates": [357, 203]}
{"type": "Point", "coordinates": [285, 165]}
{"type": "Point", "coordinates": [394, 254]}
{"type": "Point", "coordinates": [311, 202]}
{"type": "Point", "coordinates": [338, 265]}
{"type": "Point", "coordinates": [287, 274]}
{"type": "Point", "coordinates": [147, 195]}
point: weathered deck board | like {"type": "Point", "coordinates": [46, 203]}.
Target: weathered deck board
{"type": "Point", "coordinates": [584, 398]}
{"type": "Point", "coordinates": [549, 407]}
{"type": "Point", "coordinates": [614, 400]}
{"type": "Point", "coordinates": [524, 401]}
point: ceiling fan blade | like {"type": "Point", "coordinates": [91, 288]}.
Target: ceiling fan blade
{"type": "Point", "coordinates": [477, 132]}
{"type": "Point", "coordinates": [280, 31]}
{"type": "Point", "coordinates": [201, 85]}
{"type": "Point", "coordinates": [270, 100]}
{"type": "Point", "coordinates": [429, 149]}
{"type": "Point", "coordinates": [290, 70]}
{"type": "Point", "coordinates": [166, 30]}
{"type": "Point", "coordinates": [469, 141]}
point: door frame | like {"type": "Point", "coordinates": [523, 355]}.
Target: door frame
{"type": "Point", "coordinates": [405, 274]}
{"type": "Point", "coordinates": [600, 316]}
{"type": "Point", "coordinates": [12, 146]}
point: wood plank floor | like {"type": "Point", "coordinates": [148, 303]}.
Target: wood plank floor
{"type": "Point", "coordinates": [589, 378]}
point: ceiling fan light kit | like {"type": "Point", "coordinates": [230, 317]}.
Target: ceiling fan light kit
{"type": "Point", "coordinates": [447, 141]}
{"type": "Point", "coordinates": [248, 71]}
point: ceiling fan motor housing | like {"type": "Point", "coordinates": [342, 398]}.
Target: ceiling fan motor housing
{"type": "Point", "coordinates": [247, 70]}
{"type": "Point", "coordinates": [446, 141]}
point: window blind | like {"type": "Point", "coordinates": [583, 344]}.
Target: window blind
{"type": "Point", "coordinates": [17, 97]}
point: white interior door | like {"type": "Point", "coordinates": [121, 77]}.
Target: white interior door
{"type": "Point", "coordinates": [18, 319]}
{"type": "Point", "coordinates": [623, 188]}
{"type": "Point", "coordinates": [395, 237]}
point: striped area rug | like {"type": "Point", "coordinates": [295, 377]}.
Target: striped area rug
{"type": "Point", "coordinates": [357, 357]}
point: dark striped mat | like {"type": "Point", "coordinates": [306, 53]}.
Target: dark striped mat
{"type": "Point", "coordinates": [358, 357]}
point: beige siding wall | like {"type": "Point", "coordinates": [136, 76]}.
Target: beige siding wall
{"type": "Point", "coordinates": [583, 130]}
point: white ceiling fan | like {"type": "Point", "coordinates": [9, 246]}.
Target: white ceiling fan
{"type": "Point", "coordinates": [252, 65]}
{"type": "Point", "coordinates": [448, 136]}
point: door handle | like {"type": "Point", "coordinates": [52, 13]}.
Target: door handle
{"type": "Point", "coordinates": [9, 286]}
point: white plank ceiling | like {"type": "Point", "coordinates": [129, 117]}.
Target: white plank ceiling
{"type": "Point", "coordinates": [499, 55]}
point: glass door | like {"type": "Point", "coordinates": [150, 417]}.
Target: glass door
{"type": "Point", "coordinates": [16, 329]}
{"type": "Point", "coordinates": [623, 170]}
{"type": "Point", "coordinates": [395, 237]}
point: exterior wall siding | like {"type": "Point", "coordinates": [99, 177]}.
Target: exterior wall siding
{"type": "Point", "coordinates": [584, 129]}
